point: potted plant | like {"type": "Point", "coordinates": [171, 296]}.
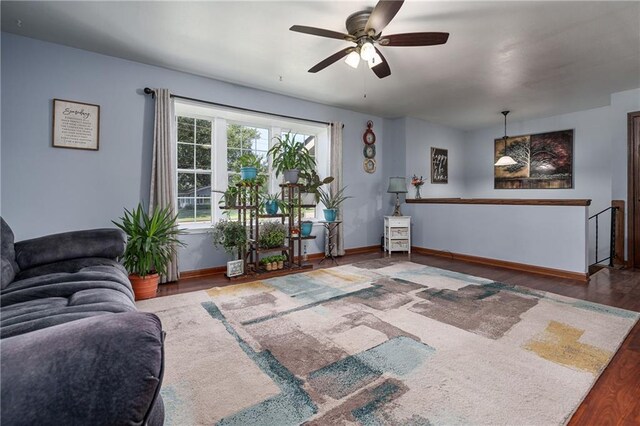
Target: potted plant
{"type": "Point", "coordinates": [305, 228]}
{"type": "Point", "coordinates": [289, 157]}
{"type": "Point", "coordinates": [248, 164]}
{"type": "Point", "coordinates": [271, 202]}
{"type": "Point", "coordinates": [281, 259]}
{"type": "Point", "coordinates": [151, 242]}
{"type": "Point", "coordinates": [332, 202]}
{"type": "Point", "coordinates": [232, 237]}
{"type": "Point", "coordinates": [272, 235]}
{"type": "Point", "coordinates": [229, 197]}
{"type": "Point", "coordinates": [311, 182]}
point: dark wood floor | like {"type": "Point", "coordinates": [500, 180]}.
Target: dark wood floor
{"type": "Point", "coordinates": [615, 398]}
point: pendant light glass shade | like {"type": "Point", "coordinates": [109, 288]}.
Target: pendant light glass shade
{"type": "Point", "coordinates": [505, 160]}
{"type": "Point", "coordinates": [367, 51]}
{"type": "Point", "coordinates": [353, 59]}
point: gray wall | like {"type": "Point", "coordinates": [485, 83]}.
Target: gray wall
{"type": "Point", "coordinates": [421, 137]}
{"type": "Point", "coordinates": [46, 190]}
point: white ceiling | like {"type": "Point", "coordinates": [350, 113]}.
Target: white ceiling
{"type": "Point", "coordinates": [535, 58]}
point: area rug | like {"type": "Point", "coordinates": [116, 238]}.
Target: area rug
{"type": "Point", "coordinates": [382, 342]}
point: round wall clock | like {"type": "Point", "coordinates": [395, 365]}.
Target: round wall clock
{"type": "Point", "coordinates": [369, 151]}
{"type": "Point", "coordinates": [369, 165]}
{"type": "Point", "coordinates": [369, 137]}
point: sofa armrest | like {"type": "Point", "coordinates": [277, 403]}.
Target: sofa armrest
{"type": "Point", "coordinates": [104, 370]}
{"type": "Point", "coordinates": [107, 243]}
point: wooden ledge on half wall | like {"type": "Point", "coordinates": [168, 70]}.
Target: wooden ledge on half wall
{"type": "Point", "coordinates": [502, 201]}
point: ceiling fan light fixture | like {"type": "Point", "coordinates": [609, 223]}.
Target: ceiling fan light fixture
{"type": "Point", "coordinates": [375, 61]}
{"type": "Point", "coordinates": [367, 51]}
{"type": "Point", "coordinates": [353, 59]}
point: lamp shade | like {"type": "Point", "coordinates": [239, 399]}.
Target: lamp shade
{"type": "Point", "coordinates": [397, 185]}
{"type": "Point", "coordinates": [353, 59]}
{"type": "Point", "coordinates": [505, 160]}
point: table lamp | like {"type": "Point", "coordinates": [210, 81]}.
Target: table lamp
{"type": "Point", "coordinates": [397, 185]}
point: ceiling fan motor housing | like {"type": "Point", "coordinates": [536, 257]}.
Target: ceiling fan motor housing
{"type": "Point", "coordinates": [356, 22]}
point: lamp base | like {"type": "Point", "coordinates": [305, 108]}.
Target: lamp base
{"type": "Point", "coordinates": [396, 211]}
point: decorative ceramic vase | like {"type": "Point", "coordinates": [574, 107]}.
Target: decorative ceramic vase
{"type": "Point", "coordinates": [274, 266]}
{"type": "Point", "coordinates": [248, 173]}
{"type": "Point", "coordinates": [418, 192]}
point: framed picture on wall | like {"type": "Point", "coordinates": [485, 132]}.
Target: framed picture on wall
{"type": "Point", "coordinates": [543, 161]}
{"type": "Point", "coordinates": [439, 165]}
{"type": "Point", "coordinates": [76, 125]}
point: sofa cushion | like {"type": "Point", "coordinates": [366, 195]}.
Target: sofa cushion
{"type": "Point", "coordinates": [105, 370]}
{"type": "Point", "coordinates": [72, 265]}
{"type": "Point", "coordinates": [7, 252]}
{"type": "Point", "coordinates": [107, 243]}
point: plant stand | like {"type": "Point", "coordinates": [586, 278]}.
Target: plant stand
{"type": "Point", "coordinates": [248, 207]}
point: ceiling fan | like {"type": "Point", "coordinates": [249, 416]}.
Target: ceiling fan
{"type": "Point", "coordinates": [365, 30]}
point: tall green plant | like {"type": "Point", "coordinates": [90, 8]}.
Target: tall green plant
{"type": "Point", "coordinates": [331, 200]}
{"type": "Point", "coordinates": [151, 240]}
{"type": "Point", "coordinates": [288, 154]}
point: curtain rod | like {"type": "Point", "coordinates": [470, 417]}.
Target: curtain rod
{"type": "Point", "coordinates": [149, 91]}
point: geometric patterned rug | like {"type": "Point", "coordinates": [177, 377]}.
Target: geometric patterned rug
{"type": "Point", "coordinates": [382, 342]}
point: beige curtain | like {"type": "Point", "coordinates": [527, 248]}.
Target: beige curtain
{"type": "Point", "coordinates": [335, 160]}
{"type": "Point", "coordinates": [163, 169]}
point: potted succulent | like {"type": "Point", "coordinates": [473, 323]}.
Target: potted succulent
{"type": "Point", "coordinates": [272, 235]}
{"type": "Point", "coordinates": [311, 182]}
{"type": "Point", "coordinates": [248, 164]}
{"type": "Point", "coordinates": [289, 157]}
{"type": "Point", "coordinates": [151, 242]}
{"type": "Point", "coordinates": [332, 202]}
{"type": "Point", "coordinates": [232, 237]}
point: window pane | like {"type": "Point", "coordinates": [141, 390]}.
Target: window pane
{"type": "Point", "coordinates": [185, 129]}
{"type": "Point", "coordinates": [186, 210]}
{"type": "Point", "coordinates": [203, 209]}
{"type": "Point", "coordinates": [310, 143]}
{"type": "Point", "coordinates": [203, 157]}
{"type": "Point", "coordinates": [203, 185]}
{"type": "Point", "coordinates": [232, 157]}
{"type": "Point", "coordinates": [185, 156]}
{"type": "Point", "coordinates": [234, 136]}
{"type": "Point", "coordinates": [185, 184]}
{"type": "Point", "coordinates": [203, 132]}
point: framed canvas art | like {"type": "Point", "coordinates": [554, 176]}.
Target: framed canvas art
{"type": "Point", "coordinates": [543, 161]}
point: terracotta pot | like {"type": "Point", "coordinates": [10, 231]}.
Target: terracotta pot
{"type": "Point", "coordinates": [144, 288]}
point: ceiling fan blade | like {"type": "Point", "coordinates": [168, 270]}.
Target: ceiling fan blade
{"type": "Point", "coordinates": [414, 39]}
{"type": "Point", "coordinates": [321, 32]}
{"type": "Point", "coordinates": [382, 70]}
{"type": "Point", "coordinates": [382, 14]}
{"type": "Point", "coordinates": [331, 59]}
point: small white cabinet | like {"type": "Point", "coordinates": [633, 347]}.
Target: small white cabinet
{"type": "Point", "coordinates": [397, 233]}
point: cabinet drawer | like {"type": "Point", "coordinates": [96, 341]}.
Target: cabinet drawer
{"type": "Point", "coordinates": [399, 245]}
{"type": "Point", "coordinates": [398, 221]}
{"type": "Point", "coordinates": [399, 233]}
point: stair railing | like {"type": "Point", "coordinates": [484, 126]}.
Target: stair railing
{"type": "Point", "coordinates": [612, 242]}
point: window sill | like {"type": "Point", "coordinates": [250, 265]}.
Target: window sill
{"type": "Point", "coordinates": [195, 229]}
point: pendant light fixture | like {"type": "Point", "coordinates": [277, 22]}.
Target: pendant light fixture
{"type": "Point", "coordinates": [505, 160]}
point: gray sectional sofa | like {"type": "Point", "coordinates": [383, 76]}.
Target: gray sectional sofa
{"type": "Point", "coordinates": [74, 349]}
